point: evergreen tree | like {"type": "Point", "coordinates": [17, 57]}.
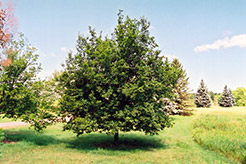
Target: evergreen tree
{"type": "Point", "coordinates": [202, 98]}
{"type": "Point", "coordinates": [233, 98]}
{"type": "Point", "coordinates": [227, 98]}
{"type": "Point", "coordinates": [181, 87]}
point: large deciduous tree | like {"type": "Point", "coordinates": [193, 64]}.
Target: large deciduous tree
{"type": "Point", "coordinates": [202, 98]}
{"type": "Point", "coordinates": [116, 84]}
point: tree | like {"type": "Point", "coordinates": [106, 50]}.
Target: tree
{"type": "Point", "coordinates": [202, 98]}
{"type": "Point", "coordinates": [116, 84]}
{"type": "Point", "coordinates": [8, 24]}
{"type": "Point", "coordinates": [240, 96]}
{"type": "Point", "coordinates": [181, 85]}
{"type": "Point", "coordinates": [232, 98]}
{"type": "Point", "coordinates": [20, 92]}
{"type": "Point", "coordinates": [227, 99]}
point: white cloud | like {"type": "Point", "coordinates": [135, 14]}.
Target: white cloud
{"type": "Point", "coordinates": [234, 41]}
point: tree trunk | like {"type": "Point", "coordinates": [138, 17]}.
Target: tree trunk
{"type": "Point", "coordinates": [116, 138]}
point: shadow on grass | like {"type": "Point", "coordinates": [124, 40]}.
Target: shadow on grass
{"type": "Point", "coordinates": [90, 142]}
{"type": "Point", "coordinates": [31, 136]}
{"type": "Point", "coordinates": [127, 142]}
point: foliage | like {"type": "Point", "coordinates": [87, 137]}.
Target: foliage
{"type": "Point", "coordinates": [117, 84]}
{"type": "Point", "coordinates": [21, 95]}
{"type": "Point", "coordinates": [202, 98]}
{"type": "Point", "coordinates": [8, 24]}
{"type": "Point", "coordinates": [240, 96]}
{"type": "Point", "coordinates": [214, 97]}
{"type": "Point", "coordinates": [223, 131]}
{"type": "Point", "coordinates": [191, 100]}
{"type": "Point", "coordinates": [181, 86]}
{"type": "Point", "coordinates": [227, 98]}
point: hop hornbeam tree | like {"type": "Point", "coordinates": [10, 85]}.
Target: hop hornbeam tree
{"type": "Point", "coordinates": [227, 98]}
{"type": "Point", "coordinates": [116, 84]}
{"type": "Point", "coordinates": [202, 98]}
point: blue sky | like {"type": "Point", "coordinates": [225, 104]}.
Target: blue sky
{"type": "Point", "coordinates": [208, 36]}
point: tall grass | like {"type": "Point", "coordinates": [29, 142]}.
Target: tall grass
{"type": "Point", "coordinates": [223, 131]}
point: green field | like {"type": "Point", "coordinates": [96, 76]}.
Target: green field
{"type": "Point", "coordinates": [209, 136]}
{"type": "Point", "coordinates": [224, 131]}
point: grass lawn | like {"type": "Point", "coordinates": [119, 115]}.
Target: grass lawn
{"type": "Point", "coordinates": [173, 145]}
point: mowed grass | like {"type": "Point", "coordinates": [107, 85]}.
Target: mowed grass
{"type": "Point", "coordinates": [173, 145]}
{"type": "Point", "coordinates": [222, 130]}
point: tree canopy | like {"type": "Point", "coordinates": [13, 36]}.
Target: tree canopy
{"type": "Point", "coordinates": [117, 84]}
{"type": "Point", "coordinates": [240, 96]}
{"type": "Point", "coordinates": [20, 91]}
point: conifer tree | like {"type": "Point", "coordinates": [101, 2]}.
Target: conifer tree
{"type": "Point", "coordinates": [233, 98]}
{"type": "Point", "coordinates": [202, 98]}
{"type": "Point", "coordinates": [227, 98]}
{"type": "Point", "coordinates": [181, 87]}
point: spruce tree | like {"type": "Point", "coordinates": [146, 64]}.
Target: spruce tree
{"type": "Point", "coordinates": [227, 98]}
{"type": "Point", "coordinates": [233, 98]}
{"type": "Point", "coordinates": [202, 98]}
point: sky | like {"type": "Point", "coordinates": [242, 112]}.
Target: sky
{"type": "Point", "coordinates": [207, 36]}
